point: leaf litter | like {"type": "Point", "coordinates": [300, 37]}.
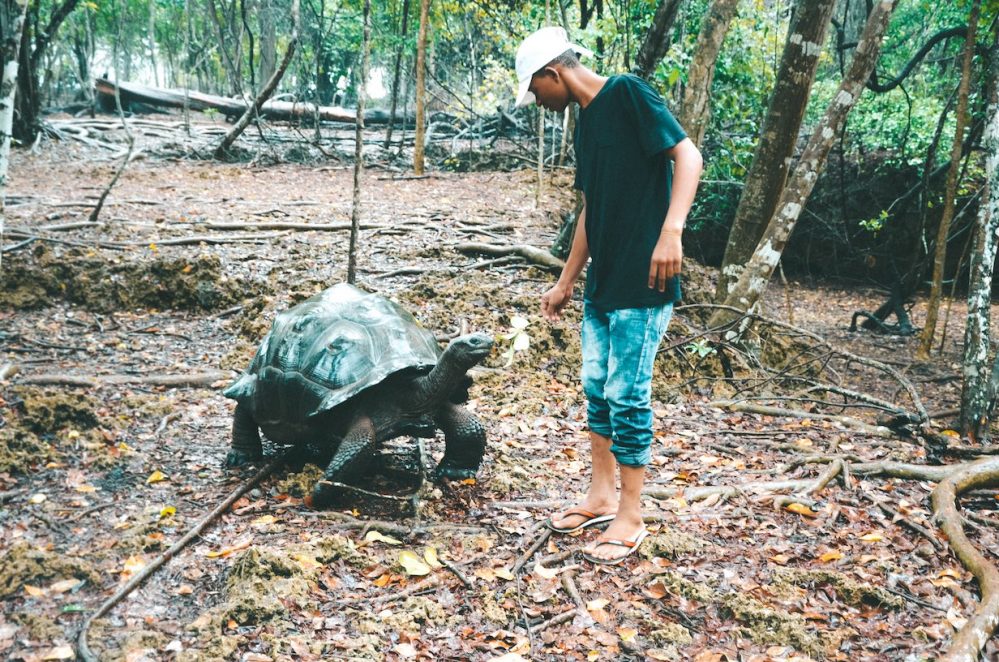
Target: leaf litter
{"type": "Point", "coordinates": [717, 579]}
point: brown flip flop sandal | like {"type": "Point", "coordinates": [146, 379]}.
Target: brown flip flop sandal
{"type": "Point", "coordinates": [591, 519]}
{"type": "Point", "coordinates": [630, 544]}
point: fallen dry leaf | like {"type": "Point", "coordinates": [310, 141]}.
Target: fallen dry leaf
{"type": "Point", "coordinates": [412, 563]}
{"type": "Point", "coordinates": [156, 477]}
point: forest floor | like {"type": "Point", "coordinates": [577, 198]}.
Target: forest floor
{"type": "Point", "coordinates": [98, 480]}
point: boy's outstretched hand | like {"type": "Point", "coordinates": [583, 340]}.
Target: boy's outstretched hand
{"type": "Point", "coordinates": [554, 301]}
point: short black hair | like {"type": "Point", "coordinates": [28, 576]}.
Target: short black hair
{"type": "Point", "coordinates": [568, 59]}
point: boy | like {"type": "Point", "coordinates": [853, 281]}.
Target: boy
{"type": "Point", "coordinates": [638, 172]}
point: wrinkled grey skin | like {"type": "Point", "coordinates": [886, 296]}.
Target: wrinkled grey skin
{"type": "Point", "coordinates": [354, 369]}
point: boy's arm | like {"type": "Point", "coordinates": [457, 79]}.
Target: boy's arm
{"type": "Point", "coordinates": [668, 253]}
{"type": "Point", "coordinates": [555, 299]}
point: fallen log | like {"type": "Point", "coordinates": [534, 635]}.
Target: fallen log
{"type": "Point", "coordinates": [230, 107]}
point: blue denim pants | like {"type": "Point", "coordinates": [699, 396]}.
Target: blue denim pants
{"type": "Point", "coordinates": [619, 349]}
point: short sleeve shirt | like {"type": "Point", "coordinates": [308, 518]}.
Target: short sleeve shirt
{"type": "Point", "coordinates": [625, 174]}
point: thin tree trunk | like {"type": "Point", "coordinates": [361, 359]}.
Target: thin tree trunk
{"type": "Point", "coordinates": [657, 40]}
{"type": "Point", "coordinates": [95, 213]}
{"type": "Point", "coordinates": [355, 215]}
{"type": "Point", "coordinates": [978, 391]}
{"type": "Point", "coordinates": [778, 137]}
{"type": "Point", "coordinates": [232, 61]}
{"type": "Point", "coordinates": [421, 83]}
{"type": "Point", "coordinates": [950, 188]}
{"type": "Point", "coordinates": [695, 110]}
{"type": "Point", "coordinates": [395, 74]}
{"type": "Point", "coordinates": [268, 39]}
{"type": "Point", "coordinates": [265, 94]}
{"type": "Point", "coordinates": [746, 292]}
{"type": "Point", "coordinates": [13, 15]}
{"type": "Point", "coordinates": [152, 43]}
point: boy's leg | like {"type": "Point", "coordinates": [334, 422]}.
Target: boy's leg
{"type": "Point", "coordinates": [635, 335]}
{"type": "Point", "coordinates": [601, 497]}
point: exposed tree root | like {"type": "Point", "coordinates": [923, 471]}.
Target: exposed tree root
{"type": "Point", "coordinates": [290, 225]}
{"type": "Point", "coordinates": [195, 379]}
{"type": "Point", "coordinates": [538, 256]}
{"type": "Point", "coordinates": [848, 421]}
{"type": "Point", "coordinates": [970, 640]}
{"type": "Point", "coordinates": [84, 650]}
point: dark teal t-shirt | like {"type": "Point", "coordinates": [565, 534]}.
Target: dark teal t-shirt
{"type": "Point", "coordinates": [623, 170]}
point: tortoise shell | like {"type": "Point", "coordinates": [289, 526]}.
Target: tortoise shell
{"type": "Point", "coordinates": [328, 349]}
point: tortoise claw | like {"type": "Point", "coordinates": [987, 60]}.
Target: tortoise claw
{"type": "Point", "coordinates": [446, 470]}
{"type": "Point", "coordinates": [237, 458]}
{"type": "Point", "coordinates": [322, 494]}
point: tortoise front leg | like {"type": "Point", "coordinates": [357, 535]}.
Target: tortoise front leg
{"type": "Point", "coordinates": [246, 446]}
{"type": "Point", "coordinates": [464, 442]}
{"type": "Point", "coordinates": [351, 458]}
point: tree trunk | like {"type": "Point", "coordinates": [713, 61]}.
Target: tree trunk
{"type": "Point", "coordinates": [395, 73]}
{"type": "Point", "coordinates": [421, 83]}
{"type": "Point", "coordinates": [232, 61]}
{"type": "Point", "coordinates": [657, 40]}
{"type": "Point", "coordinates": [265, 94]}
{"type": "Point", "coordinates": [778, 136]}
{"type": "Point", "coordinates": [12, 15]}
{"type": "Point", "coordinates": [695, 110]}
{"type": "Point", "coordinates": [746, 292]}
{"type": "Point", "coordinates": [950, 188]}
{"type": "Point", "coordinates": [978, 391]}
{"type": "Point", "coordinates": [355, 214]}
{"type": "Point", "coordinates": [266, 13]}
{"type": "Point", "coordinates": [152, 43]}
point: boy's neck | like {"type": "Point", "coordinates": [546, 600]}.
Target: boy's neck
{"type": "Point", "coordinates": [584, 84]}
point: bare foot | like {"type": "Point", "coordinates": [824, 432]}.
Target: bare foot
{"type": "Point", "coordinates": [625, 532]}
{"type": "Point", "coordinates": [583, 515]}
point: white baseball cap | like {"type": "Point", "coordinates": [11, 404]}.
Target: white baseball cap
{"type": "Point", "coordinates": [537, 50]}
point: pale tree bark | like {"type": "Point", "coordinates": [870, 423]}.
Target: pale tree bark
{"type": "Point", "coordinates": [265, 94]}
{"type": "Point", "coordinates": [978, 391]}
{"type": "Point", "coordinates": [266, 14]}
{"type": "Point", "coordinates": [950, 187]}
{"type": "Point", "coordinates": [355, 214]}
{"type": "Point", "coordinates": [695, 109]}
{"type": "Point", "coordinates": [657, 39]}
{"type": "Point", "coordinates": [12, 13]}
{"type": "Point", "coordinates": [421, 84]}
{"type": "Point", "coordinates": [395, 75]}
{"type": "Point", "coordinates": [746, 291]}
{"type": "Point", "coordinates": [152, 43]}
{"type": "Point", "coordinates": [778, 136]}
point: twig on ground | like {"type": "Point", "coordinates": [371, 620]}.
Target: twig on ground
{"type": "Point", "coordinates": [83, 649]}
{"type": "Point", "coordinates": [456, 572]}
{"type": "Point", "coordinates": [425, 585]}
{"type": "Point", "coordinates": [535, 546]}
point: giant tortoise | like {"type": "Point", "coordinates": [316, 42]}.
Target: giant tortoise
{"type": "Point", "coordinates": [354, 369]}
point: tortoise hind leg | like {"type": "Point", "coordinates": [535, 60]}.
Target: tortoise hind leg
{"type": "Point", "coordinates": [352, 456]}
{"type": "Point", "coordinates": [465, 442]}
{"type": "Point", "coordinates": [246, 447]}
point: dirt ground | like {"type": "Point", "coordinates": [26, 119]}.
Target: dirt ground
{"type": "Point", "coordinates": [97, 480]}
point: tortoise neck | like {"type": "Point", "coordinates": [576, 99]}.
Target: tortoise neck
{"type": "Point", "coordinates": [442, 379]}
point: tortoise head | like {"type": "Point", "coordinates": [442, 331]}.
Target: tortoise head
{"type": "Point", "coordinates": [468, 350]}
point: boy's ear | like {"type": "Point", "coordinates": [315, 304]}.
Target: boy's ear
{"type": "Point", "coordinates": [552, 71]}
